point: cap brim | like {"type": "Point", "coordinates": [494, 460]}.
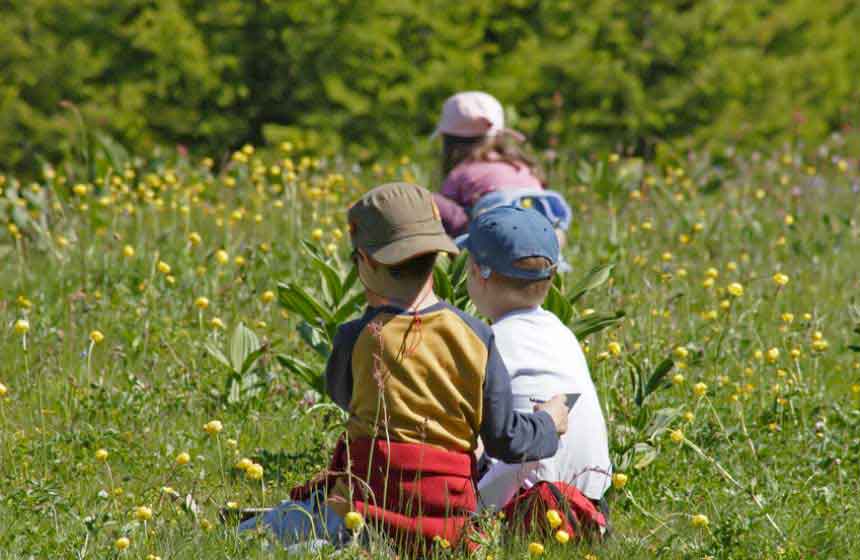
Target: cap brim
{"type": "Point", "coordinates": [462, 242]}
{"type": "Point", "coordinates": [402, 250]}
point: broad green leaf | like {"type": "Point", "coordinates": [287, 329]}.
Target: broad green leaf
{"type": "Point", "coordinates": [556, 303]}
{"type": "Point", "coordinates": [218, 355]}
{"type": "Point", "coordinates": [296, 299]}
{"type": "Point", "coordinates": [303, 371]}
{"type": "Point", "coordinates": [243, 344]}
{"type": "Point", "coordinates": [657, 376]}
{"type": "Point", "coordinates": [643, 455]}
{"type": "Point", "coordinates": [595, 323]}
{"type": "Point", "coordinates": [315, 339]}
{"type": "Point", "coordinates": [442, 284]}
{"type": "Point", "coordinates": [329, 274]}
{"type": "Point", "coordinates": [349, 308]}
{"type": "Point", "coordinates": [597, 276]}
{"type": "Point", "coordinates": [663, 418]}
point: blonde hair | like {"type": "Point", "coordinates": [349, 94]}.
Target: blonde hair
{"type": "Point", "coordinates": [523, 293]}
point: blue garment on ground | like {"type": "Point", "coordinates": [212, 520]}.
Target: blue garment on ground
{"type": "Point", "coordinates": [301, 522]}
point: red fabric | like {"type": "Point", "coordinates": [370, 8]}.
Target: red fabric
{"type": "Point", "coordinates": [417, 492]}
{"type": "Point", "coordinates": [526, 512]}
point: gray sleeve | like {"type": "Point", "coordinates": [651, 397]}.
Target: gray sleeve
{"type": "Point", "coordinates": [338, 370]}
{"type": "Point", "coordinates": [508, 435]}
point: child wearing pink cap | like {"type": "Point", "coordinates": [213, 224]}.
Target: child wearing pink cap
{"type": "Point", "coordinates": [479, 156]}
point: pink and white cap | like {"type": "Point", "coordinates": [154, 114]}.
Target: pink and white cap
{"type": "Point", "coordinates": [473, 113]}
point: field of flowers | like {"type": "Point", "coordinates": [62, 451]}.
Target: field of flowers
{"type": "Point", "coordinates": [163, 326]}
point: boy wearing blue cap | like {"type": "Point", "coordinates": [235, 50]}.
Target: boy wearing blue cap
{"type": "Point", "coordinates": [514, 253]}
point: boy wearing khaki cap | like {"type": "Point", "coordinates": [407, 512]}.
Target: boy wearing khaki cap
{"type": "Point", "coordinates": [421, 381]}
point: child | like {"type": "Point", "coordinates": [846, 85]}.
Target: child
{"type": "Point", "coordinates": [513, 256]}
{"type": "Point", "coordinates": [421, 381]}
{"type": "Point", "coordinates": [479, 156]}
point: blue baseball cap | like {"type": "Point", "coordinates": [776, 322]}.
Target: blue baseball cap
{"type": "Point", "coordinates": [500, 237]}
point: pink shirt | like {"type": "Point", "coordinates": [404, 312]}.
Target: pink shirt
{"type": "Point", "coordinates": [471, 180]}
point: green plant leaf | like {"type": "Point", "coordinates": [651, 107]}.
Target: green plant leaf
{"type": "Point", "coordinates": [595, 323]}
{"type": "Point", "coordinates": [315, 339]}
{"type": "Point", "coordinates": [330, 276]}
{"type": "Point", "coordinates": [294, 298]}
{"type": "Point", "coordinates": [218, 355]}
{"type": "Point", "coordinates": [303, 371]}
{"type": "Point", "coordinates": [657, 376]}
{"type": "Point", "coordinates": [557, 304]}
{"type": "Point", "coordinates": [242, 345]}
{"type": "Point", "coordinates": [595, 277]}
{"type": "Point", "coordinates": [442, 284]}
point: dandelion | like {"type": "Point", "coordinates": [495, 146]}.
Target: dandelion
{"type": "Point", "coordinates": [317, 234]}
{"type": "Point", "coordinates": [213, 427]}
{"type": "Point", "coordinates": [183, 459]}
{"type": "Point", "coordinates": [554, 518]}
{"type": "Point", "coordinates": [619, 480]}
{"type": "Point", "coordinates": [353, 521]}
{"type": "Point", "coordinates": [216, 323]}
{"type": "Point", "coordinates": [244, 463]}
{"type": "Point", "coordinates": [3, 390]}
{"type": "Point", "coordinates": [712, 272]}
{"type": "Point", "coordinates": [96, 337]}
{"type": "Point", "coordinates": [122, 543]}
{"type": "Point", "coordinates": [22, 326]}
{"type": "Point", "coordinates": [222, 257]}
{"type": "Point", "coordinates": [677, 436]}
{"type": "Point", "coordinates": [614, 348]}
{"type": "Point", "coordinates": [163, 267]}
{"type": "Point", "coordinates": [699, 389]}
{"type": "Point", "coordinates": [128, 251]}
{"type": "Point", "coordinates": [735, 289]}
{"type": "Point", "coordinates": [562, 536]}
{"type": "Point", "coordinates": [780, 279]}
{"type": "Point", "coordinates": [787, 318]}
{"type": "Point", "coordinates": [820, 345]}
{"type": "Point", "coordinates": [267, 296]}
{"type": "Point", "coordinates": [689, 416]}
{"type": "Point", "coordinates": [681, 352]}
{"type": "Point", "coordinates": [201, 302]}
{"type": "Point", "coordinates": [194, 238]}
{"type": "Point", "coordinates": [699, 520]}
{"type": "Point", "coordinates": [536, 549]}
{"type": "Point", "coordinates": [678, 379]}
{"type": "Point", "coordinates": [102, 455]}
{"type": "Point", "coordinates": [254, 471]}
{"type": "Point", "coordinates": [142, 513]}
{"type": "Point", "coordinates": [206, 525]}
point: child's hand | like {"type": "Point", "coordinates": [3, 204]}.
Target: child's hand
{"type": "Point", "coordinates": [558, 410]}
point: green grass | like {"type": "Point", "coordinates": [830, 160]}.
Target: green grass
{"type": "Point", "coordinates": [145, 392]}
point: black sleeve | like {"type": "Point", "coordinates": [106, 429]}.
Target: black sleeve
{"type": "Point", "coordinates": [509, 435]}
{"type": "Point", "coordinates": [338, 370]}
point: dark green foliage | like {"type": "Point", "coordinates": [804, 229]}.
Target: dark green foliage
{"type": "Point", "coordinates": [371, 75]}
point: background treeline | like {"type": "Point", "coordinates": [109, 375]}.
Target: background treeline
{"type": "Point", "coordinates": [363, 76]}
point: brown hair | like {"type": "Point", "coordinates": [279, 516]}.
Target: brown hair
{"type": "Point", "coordinates": [525, 293]}
{"type": "Point", "coordinates": [500, 147]}
{"type": "Point", "coordinates": [416, 269]}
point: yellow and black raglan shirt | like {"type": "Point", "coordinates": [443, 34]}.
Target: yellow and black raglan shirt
{"type": "Point", "coordinates": [433, 377]}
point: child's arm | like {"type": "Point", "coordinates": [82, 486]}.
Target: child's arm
{"type": "Point", "coordinates": [454, 217]}
{"type": "Point", "coordinates": [338, 369]}
{"type": "Point", "coordinates": [508, 435]}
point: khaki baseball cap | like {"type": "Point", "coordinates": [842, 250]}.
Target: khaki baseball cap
{"type": "Point", "coordinates": [395, 222]}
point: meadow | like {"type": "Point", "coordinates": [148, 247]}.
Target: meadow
{"type": "Point", "coordinates": [163, 327]}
